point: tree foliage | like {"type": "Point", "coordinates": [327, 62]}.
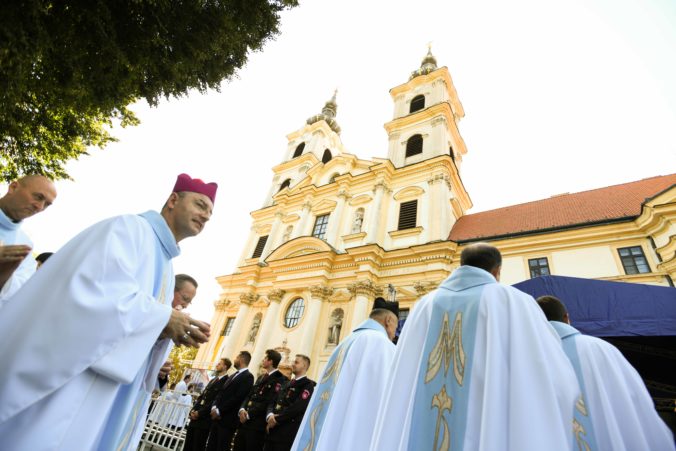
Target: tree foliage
{"type": "Point", "coordinates": [69, 68]}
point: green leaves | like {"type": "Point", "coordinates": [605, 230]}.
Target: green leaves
{"type": "Point", "coordinates": [68, 68]}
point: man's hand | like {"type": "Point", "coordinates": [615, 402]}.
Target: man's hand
{"type": "Point", "coordinates": [10, 259]}
{"type": "Point", "coordinates": [166, 369]}
{"type": "Point", "coordinates": [243, 416]}
{"type": "Point", "coordinates": [13, 254]}
{"type": "Point", "coordinates": [183, 330]}
{"type": "Point", "coordinates": [215, 416]}
{"type": "Point", "coordinates": [272, 422]}
{"type": "Point", "coordinates": [194, 415]}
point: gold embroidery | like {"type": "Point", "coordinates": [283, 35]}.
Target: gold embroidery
{"type": "Point", "coordinates": [448, 348]}
{"type": "Point", "coordinates": [334, 368]}
{"type": "Point", "coordinates": [580, 406]}
{"type": "Point", "coordinates": [579, 431]}
{"type": "Point", "coordinates": [442, 402]}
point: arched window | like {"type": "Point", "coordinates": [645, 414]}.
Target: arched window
{"type": "Point", "coordinates": [327, 156]}
{"type": "Point", "coordinates": [299, 150]}
{"type": "Point", "coordinates": [417, 103]}
{"type": "Point", "coordinates": [294, 313]}
{"type": "Point", "coordinates": [414, 145]}
{"type": "Point", "coordinates": [285, 184]}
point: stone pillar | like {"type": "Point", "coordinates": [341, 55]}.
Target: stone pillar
{"type": "Point", "coordinates": [245, 299]}
{"type": "Point", "coordinates": [318, 293]}
{"type": "Point", "coordinates": [335, 221]}
{"type": "Point", "coordinates": [271, 317]}
{"type": "Point", "coordinates": [273, 236]}
{"type": "Point", "coordinates": [206, 350]}
{"type": "Point", "coordinates": [248, 249]}
{"type": "Point", "coordinates": [299, 230]}
{"type": "Point", "coordinates": [363, 291]}
{"type": "Point", "coordinates": [374, 218]}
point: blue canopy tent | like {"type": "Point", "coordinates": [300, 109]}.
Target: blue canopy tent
{"type": "Point", "coordinates": [610, 309]}
{"type": "Point", "coordinates": [640, 320]}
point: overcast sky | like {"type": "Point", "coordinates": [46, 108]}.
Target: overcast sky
{"type": "Point", "coordinates": [559, 96]}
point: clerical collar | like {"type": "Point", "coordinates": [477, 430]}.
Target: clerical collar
{"type": "Point", "coordinates": [7, 223]}
{"type": "Point", "coordinates": [163, 233]}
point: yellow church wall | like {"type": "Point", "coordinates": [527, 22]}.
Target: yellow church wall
{"type": "Point", "coordinates": [512, 270]}
{"type": "Point", "coordinates": [591, 262]}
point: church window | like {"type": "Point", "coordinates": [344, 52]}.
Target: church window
{"type": "Point", "coordinates": [538, 267]}
{"type": "Point", "coordinates": [260, 246]}
{"type": "Point", "coordinates": [414, 145]}
{"type": "Point", "coordinates": [327, 156]}
{"type": "Point", "coordinates": [408, 212]}
{"type": "Point", "coordinates": [299, 150]}
{"type": "Point", "coordinates": [417, 103]}
{"type": "Point", "coordinates": [285, 184]}
{"type": "Point", "coordinates": [321, 223]}
{"type": "Point", "coordinates": [633, 260]}
{"type": "Point", "coordinates": [294, 313]}
{"type": "Point", "coordinates": [228, 327]}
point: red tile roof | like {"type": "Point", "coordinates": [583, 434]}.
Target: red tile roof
{"type": "Point", "coordinates": [608, 204]}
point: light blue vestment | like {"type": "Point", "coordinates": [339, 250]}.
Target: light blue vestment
{"type": "Point", "coordinates": [10, 234]}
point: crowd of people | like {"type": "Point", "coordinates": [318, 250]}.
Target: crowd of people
{"type": "Point", "coordinates": [479, 365]}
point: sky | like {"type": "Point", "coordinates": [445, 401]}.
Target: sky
{"type": "Point", "coordinates": [559, 96]}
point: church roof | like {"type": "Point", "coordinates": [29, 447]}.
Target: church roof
{"type": "Point", "coordinates": [597, 206]}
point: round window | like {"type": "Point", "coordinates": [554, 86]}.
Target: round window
{"type": "Point", "coordinates": [294, 313]}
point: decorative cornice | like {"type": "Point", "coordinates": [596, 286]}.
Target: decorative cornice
{"type": "Point", "coordinates": [275, 295]}
{"type": "Point", "coordinates": [364, 287]}
{"type": "Point", "coordinates": [221, 304]}
{"type": "Point", "coordinates": [248, 298]}
{"type": "Point", "coordinates": [322, 292]}
{"type": "Point", "coordinates": [422, 288]}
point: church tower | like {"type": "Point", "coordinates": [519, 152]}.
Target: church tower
{"type": "Point", "coordinates": [426, 114]}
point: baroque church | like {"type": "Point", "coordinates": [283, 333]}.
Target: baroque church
{"type": "Point", "coordinates": [337, 231]}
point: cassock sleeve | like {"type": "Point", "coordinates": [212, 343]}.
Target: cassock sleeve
{"type": "Point", "coordinates": [79, 311]}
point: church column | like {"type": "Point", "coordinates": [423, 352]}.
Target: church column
{"type": "Point", "coordinates": [433, 226]}
{"type": "Point", "coordinates": [318, 294]}
{"type": "Point", "coordinates": [271, 317]}
{"type": "Point", "coordinates": [363, 291]}
{"type": "Point", "coordinates": [374, 218]}
{"type": "Point", "coordinates": [248, 249]}
{"type": "Point", "coordinates": [245, 302]}
{"type": "Point", "coordinates": [203, 357]}
{"type": "Point", "coordinates": [300, 228]}
{"type": "Point", "coordinates": [332, 234]}
{"type": "Point", "coordinates": [273, 236]}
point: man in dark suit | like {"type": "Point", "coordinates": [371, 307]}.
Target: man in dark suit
{"type": "Point", "coordinates": [200, 420]}
{"type": "Point", "coordinates": [250, 435]}
{"type": "Point", "coordinates": [286, 412]}
{"type": "Point", "coordinates": [226, 405]}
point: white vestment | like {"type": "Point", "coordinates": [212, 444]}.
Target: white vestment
{"type": "Point", "coordinates": [10, 234]}
{"type": "Point", "coordinates": [622, 413]}
{"type": "Point", "coordinates": [477, 367]}
{"type": "Point", "coordinates": [181, 387]}
{"type": "Point", "coordinates": [341, 413]}
{"type": "Point", "coordinates": [85, 354]}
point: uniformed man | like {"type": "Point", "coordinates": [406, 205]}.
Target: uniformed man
{"type": "Point", "coordinates": [251, 432]}
{"type": "Point", "coordinates": [286, 413]}
{"type": "Point", "coordinates": [198, 428]}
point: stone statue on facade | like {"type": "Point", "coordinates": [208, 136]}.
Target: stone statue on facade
{"type": "Point", "coordinates": [254, 328]}
{"type": "Point", "coordinates": [358, 220]}
{"type": "Point", "coordinates": [334, 327]}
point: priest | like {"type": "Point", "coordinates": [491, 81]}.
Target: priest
{"type": "Point", "coordinates": [619, 408]}
{"type": "Point", "coordinates": [342, 410]}
{"type": "Point", "coordinates": [477, 367]}
{"type": "Point", "coordinates": [91, 330]}
{"type": "Point", "coordinates": [25, 197]}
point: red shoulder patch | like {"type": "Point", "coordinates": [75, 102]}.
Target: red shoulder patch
{"type": "Point", "coordinates": [305, 394]}
{"type": "Point", "coordinates": [278, 387]}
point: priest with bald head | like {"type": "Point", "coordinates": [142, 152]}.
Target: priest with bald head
{"type": "Point", "coordinates": [25, 197]}
{"type": "Point", "coordinates": [90, 330]}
